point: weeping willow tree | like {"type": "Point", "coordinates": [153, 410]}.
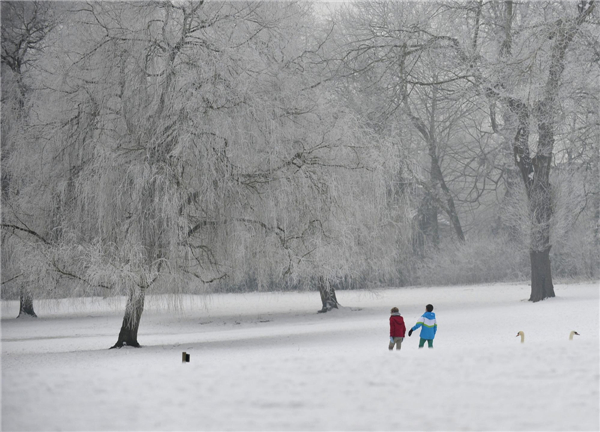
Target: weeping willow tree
{"type": "Point", "coordinates": [182, 145]}
{"type": "Point", "coordinates": [25, 27]}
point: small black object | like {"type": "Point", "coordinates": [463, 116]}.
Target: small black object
{"type": "Point", "coordinates": [410, 333]}
{"type": "Point", "coordinates": [185, 357]}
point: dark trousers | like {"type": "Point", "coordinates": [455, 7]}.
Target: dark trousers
{"type": "Point", "coordinates": [429, 342]}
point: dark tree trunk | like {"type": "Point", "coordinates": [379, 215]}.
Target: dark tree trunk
{"type": "Point", "coordinates": [328, 297]}
{"type": "Point", "coordinates": [427, 232]}
{"type": "Point", "coordinates": [535, 173]}
{"type": "Point", "coordinates": [437, 177]}
{"type": "Point", "coordinates": [541, 276]}
{"type": "Point", "coordinates": [131, 320]}
{"type": "Point", "coordinates": [450, 207]}
{"type": "Point", "coordinates": [26, 304]}
{"type": "Point", "coordinates": [541, 209]}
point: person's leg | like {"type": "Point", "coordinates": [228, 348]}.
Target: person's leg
{"type": "Point", "coordinates": [391, 347]}
{"type": "Point", "coordinates": [398, 342]}
{"type": "Point", "coordinates": [421, 343]}
{"type": "Point", "coordinates": [430, 343]}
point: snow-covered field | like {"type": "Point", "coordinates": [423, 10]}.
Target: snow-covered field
{"type": "Point", "coordinates": [269, 362]}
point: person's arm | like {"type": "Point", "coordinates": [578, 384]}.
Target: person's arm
{"type": "Point", "coordinates": [418, 324]}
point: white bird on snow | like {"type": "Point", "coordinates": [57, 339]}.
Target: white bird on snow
{"type": "Point", "coordinates": [573, 333]}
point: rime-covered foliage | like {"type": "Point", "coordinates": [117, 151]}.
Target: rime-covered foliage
{"type": "Point", "coordinates": [494, 100]}
{"type": "Point", "coordinates": [190, 147]}
{"type": "Point", "coordinates": [198, 146]}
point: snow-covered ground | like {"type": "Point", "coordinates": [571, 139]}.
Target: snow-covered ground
{"type": "Point", "coordinates": [269, 362]}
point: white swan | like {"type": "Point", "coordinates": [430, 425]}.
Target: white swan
{"type": "Point", "coordinates": [573, 333]}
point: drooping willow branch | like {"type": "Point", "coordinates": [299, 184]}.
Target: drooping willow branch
{"type": "Point", "coordinates": [27, 230]}
{"type": "Point", "coordinates": [57, 268]}
{"type": "Point", "coordinates": [66, 273]}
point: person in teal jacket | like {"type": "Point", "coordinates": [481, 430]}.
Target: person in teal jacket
{"type": "Point", "coordinates": [428, 326]}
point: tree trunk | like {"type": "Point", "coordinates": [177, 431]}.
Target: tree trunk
{"type": "Point", "coordinates": [427, 232]}
{"type": "Point", "coordinates": [26, 304]}
{"type": "Point", "coordinates": [596, 198]}
{"type": "Point", "coordinates": [328, 297]}
{"type": "Point", "coordinates": [536, 177]}
{"type": "Point", "coordinates": [437, 176]}
{"type": "Point", "coordinates": [540, 201]}
{"type": "Point", "coordinates": [541, 276]}
{"type": "Point", "coordinates": [131, 320]}
{"type": "Point", "coordinates": [449, 207]}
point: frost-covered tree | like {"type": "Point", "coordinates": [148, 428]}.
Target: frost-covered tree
{"type": "Point", "coordinates": [25, 26]}
{"type": "Point", "coordinates": [527, 77]}
{"type": "Point", "coordinates": [387, 49]}
{"type": "Point", "coordinates": [499, 66]}
{"type": "Point", "coordinates": [188, 145]}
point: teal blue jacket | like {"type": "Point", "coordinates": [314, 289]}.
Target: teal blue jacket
{"type": "Point", "coordinates": [428, 325]}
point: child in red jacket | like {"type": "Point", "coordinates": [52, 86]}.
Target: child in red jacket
{"type": "Point", "coordinates": [397, 329]}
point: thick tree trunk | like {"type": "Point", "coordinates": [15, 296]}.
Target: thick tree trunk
{"type": "Point", "coordinates": [541, 276]}
{"type": "Point", "coordinates": [541, 214]}
{"type": "Point", "coordinates": [328, 297]}
{"type": "Point", "coordinates": [541, 210]}
{"type": "Point", "coordinates": [26, 304]}
{"type": "Point", "coordinates": [131, 320]}
{"type": "Point", "coordinates": [536, 177]}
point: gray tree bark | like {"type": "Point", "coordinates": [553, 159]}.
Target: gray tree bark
{"type": "Point", "coordinates": [328, 298]}
{"type": "Point", "coordinates": [131, 320]}
{"type": "Point", "coordinates": [26, 304]}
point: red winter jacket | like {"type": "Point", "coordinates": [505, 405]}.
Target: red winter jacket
{"type": "Point", "coordinates": [397, 327]}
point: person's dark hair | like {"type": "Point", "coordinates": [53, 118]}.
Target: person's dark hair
{"type": "Point", "coordinates": [394, 310]}
{"type": "Point", "coordinates": [429, 308]}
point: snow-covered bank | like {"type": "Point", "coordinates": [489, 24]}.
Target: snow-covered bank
{"type": "Point", "coordinates": [269, 362]}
